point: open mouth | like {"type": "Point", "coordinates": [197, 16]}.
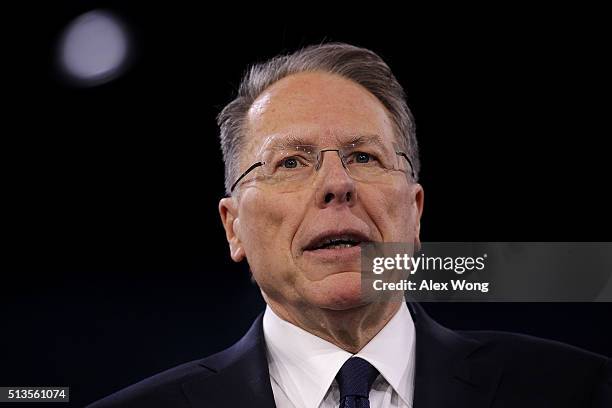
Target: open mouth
{"type": "Point", "coordinates": [336, 241]}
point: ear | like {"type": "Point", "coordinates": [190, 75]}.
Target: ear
{"type": "Point", "coordinates": [228, 210]}
{"type": "Point", "coordinates": [419, 197]}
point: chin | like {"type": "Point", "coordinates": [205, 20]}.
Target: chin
{"type": "Point", "coordinates": [338, 292]}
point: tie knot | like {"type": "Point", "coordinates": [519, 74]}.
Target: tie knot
{"type": "Point", "coordinates": [356, 377]}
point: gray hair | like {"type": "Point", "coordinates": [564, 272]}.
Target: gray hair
{"type": "Point", "coordinates": [357, 64]}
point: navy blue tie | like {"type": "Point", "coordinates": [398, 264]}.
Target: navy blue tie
{"type": "Point", "coordinates": [355, 379]}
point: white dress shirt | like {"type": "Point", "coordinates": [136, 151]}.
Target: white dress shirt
{"type": "Point", "coordinates": [303, 366]}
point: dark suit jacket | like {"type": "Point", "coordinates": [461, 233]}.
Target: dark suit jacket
{"type": "Point", "coordinates": [473, 369]}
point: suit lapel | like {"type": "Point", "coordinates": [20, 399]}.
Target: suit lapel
{"type": "Point", "coordinates": [449, 372]}
{"type": "Point", "coordinates": [236, 377]}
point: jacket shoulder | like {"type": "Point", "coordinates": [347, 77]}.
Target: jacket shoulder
{"type": "Point", "coordinates": [522, 346]}
{"type": "Point", "coordinates": [160, 390]}
{"type": "Point", "coordinates": [545, 367]}
{"type": "Point", "coordinates": [170, 388]}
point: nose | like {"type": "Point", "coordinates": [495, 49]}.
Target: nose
{"type": "Point", "coordinates": [336, 187]}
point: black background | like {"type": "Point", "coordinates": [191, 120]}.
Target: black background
{"type": "Point", "coordinates": [115, 265]}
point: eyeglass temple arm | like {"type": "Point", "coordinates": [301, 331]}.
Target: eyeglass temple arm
{"type": "Point", "coordinates": [254, 166]}
{"type": "Point", "coordinates": [409, 162]}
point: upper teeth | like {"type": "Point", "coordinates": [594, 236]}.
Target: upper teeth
{"type": "Point", "coordinates": [340, 245]}
{"type": "Point", "coordinates": [340, 242]}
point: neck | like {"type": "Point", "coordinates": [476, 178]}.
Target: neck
{"type": "Point", "coordinates": [350, 329]}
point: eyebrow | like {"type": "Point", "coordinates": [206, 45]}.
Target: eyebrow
{"type": "Point", "coordinates": [290, 141]}
{"type": "Point", "coordinates": [359, 140]}
{"type": "Point", "coordinates": [367, 139]}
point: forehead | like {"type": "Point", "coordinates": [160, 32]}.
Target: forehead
{"type": "Point", "coordinates": [312, 139]}
{"type": "Point", "coordinates": [320, 108]}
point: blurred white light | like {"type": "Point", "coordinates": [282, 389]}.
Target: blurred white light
{"type": "Point", "coordinates": [94, 48]}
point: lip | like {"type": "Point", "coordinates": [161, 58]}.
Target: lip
{"type": "Point", "coordinates": [337, 255]}
{"type": "Point", "coordinates": [329, 255]}
{"type": "Point", "coordinates": [352, 233]}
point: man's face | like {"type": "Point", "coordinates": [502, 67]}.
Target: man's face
{"type": "Point", "coordinates": [282, 234]}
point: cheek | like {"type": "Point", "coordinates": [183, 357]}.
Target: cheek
{"type": "Point", "coordinates": [268, 223]}
{"type": "Point", "coordinates": [260, 219]}
{"type": "Point", "coordinates": [392, 211]}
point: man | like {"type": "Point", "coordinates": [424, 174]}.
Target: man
{"type": "Point", "coordinates": [321, 156]}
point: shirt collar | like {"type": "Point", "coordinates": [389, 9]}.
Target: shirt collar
{"type": "Point", "coordinates": [304, 365]}
{"type": "Point", "coordinates": [392, 350]}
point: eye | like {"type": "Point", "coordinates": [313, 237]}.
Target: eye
{"type": "Point", "coordinates": [285, 161]}
{"type": "Point", "coordinates": [361, 157]}
{"type": "Point", "coordinates": [289, 163]}
{"type": "Point", "coordinates": [292, 162]}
